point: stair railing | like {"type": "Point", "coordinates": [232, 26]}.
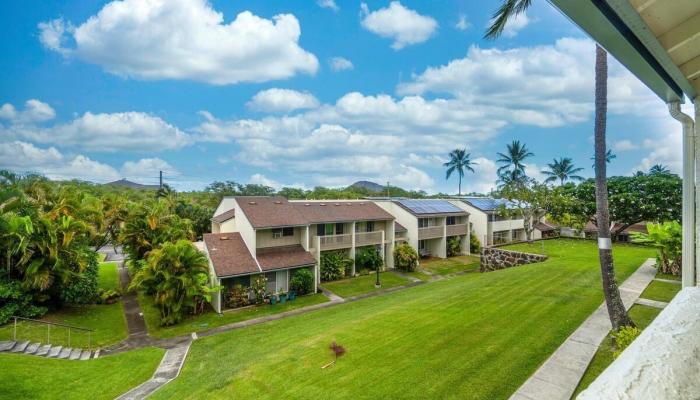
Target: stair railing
{"type": "Point", "coordinates": [48, 329]}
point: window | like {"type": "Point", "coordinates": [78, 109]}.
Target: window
{"type": "Point", "coordinates": [425, 222]}
{"type": "Point", "coordinates": [357, 227]}
{"type": "Point", "coordinates": [320, 230]}
{"type": "Point", "coordinates": [339, 229]}
{"type": "Point", "coordinates": [451, 220]}
{"type": "Point", "coordinates": [271, 281]}
{"type": "Point", "coordinates": [288, 231]}
{"type": "Point", "coordinates": [277, 233]}
{"type": "Point", "coordinates": [501, 237]}
{"type": "Point", "coordinates": [329, 229]}
{"type": "Point", "coordinates": [280, 232]}
{"type": "Point", "coordinates": [421, 245]}
{"type": "Point", "coordinates": [369, 226]}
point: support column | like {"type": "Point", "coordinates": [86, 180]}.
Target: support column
{"type": "Point", "coordinates": [689, 209]}
{"type": "Point", "coordinates": [318, 262]}
{"type": "Point", "coordinates": [697, 191]}
{"type": "Point", "coordinates": [383, 250]}
{"type": "Point", "coordinates": [352, 248]}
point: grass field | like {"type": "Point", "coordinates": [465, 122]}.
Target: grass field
{"type": "Point", "coordinates": [31, 377]}
{"type": "Point", "coordinates": [107, 320]}
{"type": "Point", "coordinates": [445, 266]}
{"type": "Point", "coordinates": [642, 317]}
{"type": "Point", "coordinates": [661, 291]}
{"type": "Point", "coordinates": [475, 336]}
{"type": "Point", "coordinates": [364, 284]}
{"type": "Point", "coordinates": [211, 319]}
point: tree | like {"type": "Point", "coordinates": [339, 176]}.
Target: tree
{"type": "Point", "coordinates": [176, 274]}
{"type": "Point", "coordinates": [512, 168]}
{"type": "Point", "coordinates": [529, 200]}
{"type": "Point", "coordinates": [405, 257]}
{"type": "Point", "coordinates": [659, 169]}
{"type": "Point", "coordinates": [459, 162]}
{"type": "Point", "coordinates": [616, 310]}
{"type": "Point", "coordinates": [562, 169]}
{"type": "Point", "coordinates": [667, 237]}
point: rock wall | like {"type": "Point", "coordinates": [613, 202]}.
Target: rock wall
{"type": "Point", "coordinates": [493, 258]}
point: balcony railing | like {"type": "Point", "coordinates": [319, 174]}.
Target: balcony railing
{"type": "Point", "coordinates": [456, 230]}
{"type": "Point", "coordinates": [431, 232]}
{"type": "Point", "coordinates": [331, 242]}
{"type": "Point", "coordinates": [368, 238]}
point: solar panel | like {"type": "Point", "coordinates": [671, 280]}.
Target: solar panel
{"type": "Point", "coordinates": [488, 203]}
{"type": "Point", "coordinates": [429, 206]}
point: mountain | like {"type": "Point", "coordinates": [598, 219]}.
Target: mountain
{"type": "Point", "coordinates": [132, 185]}
{"type": "Point", "coordinates": [371, 186]}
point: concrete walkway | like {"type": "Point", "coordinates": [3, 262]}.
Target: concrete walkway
{"type": "Point", "coordinates": [558, 377]}
{"type": "Point", "coordinates": [169, 369]}
{"type": "Point", "coordinates": [677, 282]}
{"type": "Point", "coordinates": [652, 303]}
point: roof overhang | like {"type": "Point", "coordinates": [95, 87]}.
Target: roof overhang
{"type": "Point", "coordinates": [658, 41]}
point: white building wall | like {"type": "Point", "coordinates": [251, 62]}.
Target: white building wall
{"type": "Point", "coordinates": [478, 219]}
{"type": "Point", "coordinates": [403, 217]}
{"type": "Point", "coordinates": [244, 227]}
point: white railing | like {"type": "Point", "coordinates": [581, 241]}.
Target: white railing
{"type": "Point", "coordinates": [366, 238]}
{"type": "Point", "coordinates": [431, 232]}
{"type": "Point", "coordinates": [456, 230]}
{"type": "Point", "coordinates": [331, 242]}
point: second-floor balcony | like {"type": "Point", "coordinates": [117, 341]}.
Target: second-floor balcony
{"type": "Point", "coordinates": [368, 238]}
{"type": "Point", "coordinates": [457, 230]}
{"type": "Point", "coordinates": [332, 242]}
{"type": "Point", "coordinates": [431, 232]}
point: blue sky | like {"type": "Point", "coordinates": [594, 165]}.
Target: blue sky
{"type": "Point", "coordinates": [305, 93]}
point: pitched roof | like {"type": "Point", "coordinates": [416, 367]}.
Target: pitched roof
{"type": "Point", "coordinates": [422, 207]}
{"type": "Point", "coordinates": [224, 216]}
{"type": "Point", "coordinates": [284, 257]}
{"type": "Point", "coordinates": [640, 227]}
{"type": "Point", "coordinates": [269, 212]}
{"type": "Point", "coordinates": [544, 227]}
{"type": "Point", "coordinates": [338, 210]}
{"type": "Point", "coordinates": [399, 228]}
{"type": "Point", "coordinates": [487, 203]}
{"type": "Point", "coordinates": [229, 254]}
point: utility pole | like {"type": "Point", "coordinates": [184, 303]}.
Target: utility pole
{"type": "Point", "coordinates": [388, 193]}
{"type": "Point", "coordinates": [160, 184]}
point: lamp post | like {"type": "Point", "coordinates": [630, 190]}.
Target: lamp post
{"type": "Point", "coordinates": [377, 284]}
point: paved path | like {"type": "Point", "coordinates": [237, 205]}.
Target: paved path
{"type": "Point", "coordinates": [331, 296]}
{"type": "Point", "coordinates": [652, 303]}
{"type": "Point", "coordinates": [558, 377]}
{"type": "Point", "coordinates": [677, 282]}
{"type": "Point", "coordinates": [169, 369]}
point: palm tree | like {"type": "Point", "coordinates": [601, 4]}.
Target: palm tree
{"type": "Point", "coordinates": [176, 275]}
{"type": "Point", "coordinates": [512, 168]}
{"type": "Point", "coordinates": [616, 309]}
{"type": "Point", "coordinates": [609, 156]}
{"type": "Point", "coordinates": [659, 169]}
{"type": "Point", "coordinates": [562, 169]}
{"type": "Point", "coordinates": [459, 161]}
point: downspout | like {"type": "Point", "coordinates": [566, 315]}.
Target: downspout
{"type": "Point", "coordinates": [696, 101]}
{"type": "Point", "coordinates": [688, 221]}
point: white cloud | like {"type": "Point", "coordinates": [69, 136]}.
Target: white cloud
{"type": "Point", "coordinates": [284, 100]}
{"type": "Point", "coordinates": [34, 111]}
{"type": "Point", "coordinates": [462, 23]}
{"type": "Point", "coordinates": [330, 4]}
{"type": "Point", "coordinates": [666, 147]}
{"type": "Point", "coordinates": [340, 64]}
{"type": "Point", "coordinates": [184, 39]}
{"type": "Point", "coordinates": [130, 131]}
{"type": "Point", "coordinates": [483, 180]}
{"type": "Point", "coordinates": [624, 145]}
{"type": "Point", "coordinates": [147, 168]}
{"type": "Point", "coordinates": [403, 25]}
{"type": "Point", "coordinates": [515, 25]}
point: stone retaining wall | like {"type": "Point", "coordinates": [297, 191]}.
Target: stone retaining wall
{"type": "Point", "coordinates": [493, 258]}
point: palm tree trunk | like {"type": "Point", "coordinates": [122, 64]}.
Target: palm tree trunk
{"type": "Point", "coordinates": [616, 309]}
{"type": "Point", "coordinates": [460, 186]}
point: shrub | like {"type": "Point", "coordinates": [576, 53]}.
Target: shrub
{"type": "Point", "coordinates": [259, 288]}
{"type": "Point", "coordinates": [474, 244]}
{"type": "Point", "coordinates": [107, 296]}
{"type": "Point", "coordinates": [82, 288]}
{"type": "Point", "coordinates": [405, 257]}
{"type": "Point", "coordinates": [369, 258]}
{"type": "Point", "coordinates": [623, 338]}
{"type": "Point", "coordinates": [15, 301]}
{"type": "Point", "coordinates": [334, 265]}
{"type": "Point", "coordinates": [667, 237]}
{"type": "Point", "coordinates": [237, 296]}
{"type": "Point", "coordinates": [302, 282]}
{"type": "Point", "coordinates": [454, 246]}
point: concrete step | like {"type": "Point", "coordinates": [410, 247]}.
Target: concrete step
{"type": "Point", "coordinates": [32, 348]}
{"type": "Point", "coordinates": [20, 346]}
{"type": "Point", "coordinates": [75, 354]}
{"type": "Point", "coordinates": [43, 350]}
{"type": "Point", "coordinates": [65, 352]}
{"type": "Point", "coordinates": [97, 353]}
{"type": "Point", "coordinates": [7, 345]}
{"type": "Point", "coordinates": [54, 351]}
{"type": "Point", "coordinates": [85, 355]}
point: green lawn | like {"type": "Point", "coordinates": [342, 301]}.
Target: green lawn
{"type": "Point", "coordinates": [661, 291]}
{"type": "Point", "coordinates": [101, 257]}
{"type": "Point", "coordinates": [211, 319]}
{"type": "Point", "coordinates": [108, 278]}
{"type": "Point", "coordinates": [642, 317]}
{"type": "Point", "coordinates": [107, 320]}
{"type": "Point", "coordinates": [420, 274]}
{"type": "Point", "coordinates": [365, 284]}
{"type": "Point", "coordinates": [30, 377]}
{"type": "Point", "coordinates": [475, 336]}
{"type": "Point", "coordinates": [445, 266]}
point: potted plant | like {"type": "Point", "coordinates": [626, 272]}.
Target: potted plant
{"type": "Point", "coordinates": [273, 299]}
{"type": "Point", "coordinates": [291, 295]}
{"type": "Point", "coordinates": [283, 297]}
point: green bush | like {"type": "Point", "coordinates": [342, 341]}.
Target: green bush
{"type": "Point", "coordinates": [474, 244]}
{"type": "Point", "coordinates": [368, 258]}
{"type": "Point", "coordinates": [623, 338]}
{"type": "Point", "coordinates": [302, 282]}
{"type": "Point", "coordinates": [405, 257]}
{"type": "Point", "coordinates": [259, 288]}
{"type": "Point", "coordinates": [454, 246]}
{"type": "Point", "coordinates": [334, 265]}
{"type": "Point", "coordinates": [237, 296]}
{"type": "Point", "coordinates": [107, 296]}
{"type": "Point", "coordinates": [15, 301]}
{"type": "Point", "coordinates": [82, 288]}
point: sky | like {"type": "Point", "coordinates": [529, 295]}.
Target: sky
{"type": "Point", "coordinates": [307, 93]}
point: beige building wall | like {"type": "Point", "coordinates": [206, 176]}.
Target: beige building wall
{"type": "Point", "coordinates": [264, 238]}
